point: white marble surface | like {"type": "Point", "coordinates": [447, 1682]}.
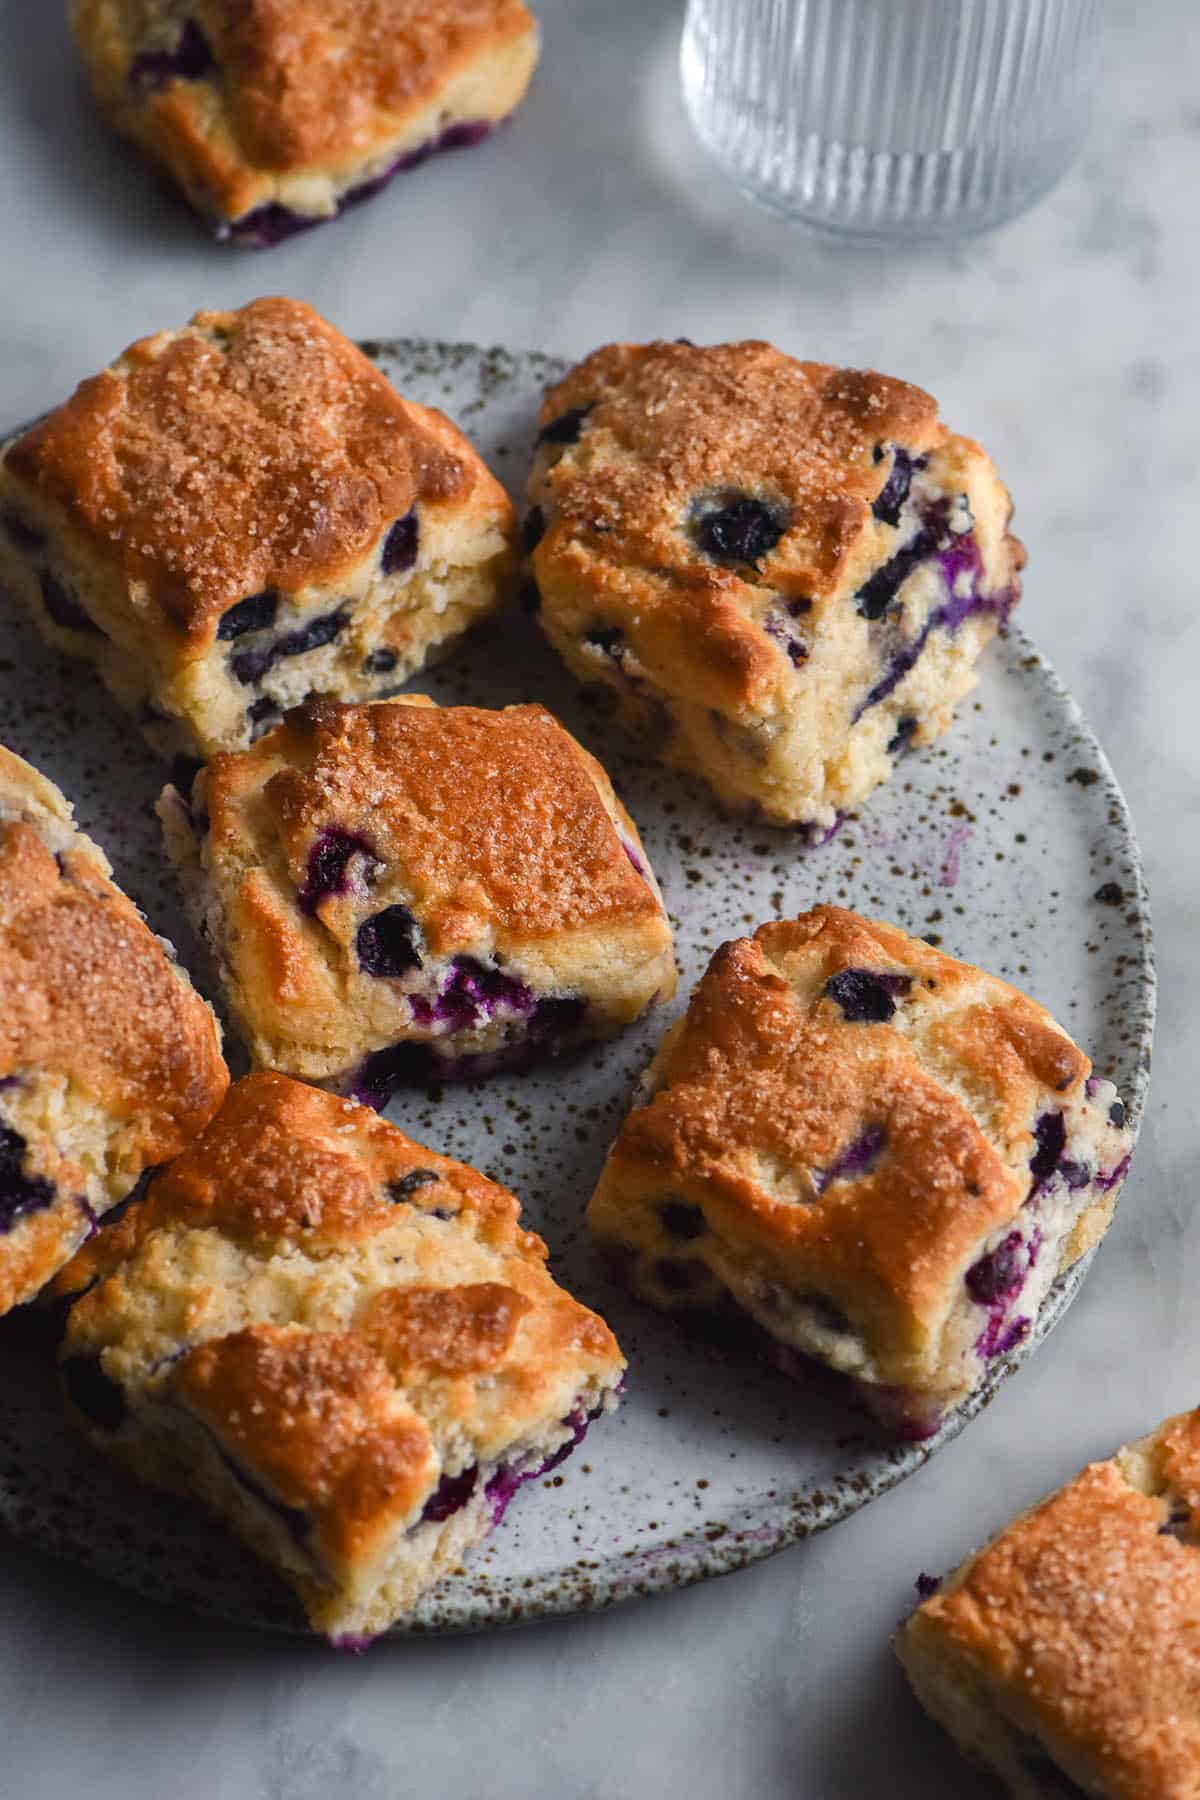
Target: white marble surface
{"type": "Point", "coordinates": [1070, 343]}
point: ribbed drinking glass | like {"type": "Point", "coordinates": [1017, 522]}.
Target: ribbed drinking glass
{"type": "Point", "coordinates": [892, 118]}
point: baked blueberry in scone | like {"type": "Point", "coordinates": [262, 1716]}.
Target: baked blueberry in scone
{"type": "Point", "coordinates": [344, 1344]}
{"type": "Point", "coordinates": [403, 892]}
{"type": "Point", "coordinates": [784, 572]}
{"type": "Point", "coordinates": [110, 1062]}
{"type": "Point", "coordinates": [273, 115]}
{"type": "Point", "coordinates": [1065, 1656]}
{"type": "Point", "coordinates": [882, 1156]}
{"type": "Point", "coordinates": [244, 512]}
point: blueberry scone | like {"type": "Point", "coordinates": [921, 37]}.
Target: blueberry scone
{"type": "Point", "coordinates": [881, 1156]}
{"type": "Point", "coordinates": [244, 512]}
{"type": "Point", "coordinates": [401, 892]}
{"type": "Point", "coordinates": [1065, 1656]}
{"type": "Point", "coordinates": [110, 1062]}
{"type": "Point", "coordinates": [784, 572]}
{"type": "Point", "coordinates": [342, 1343]}
{"type": "Point", "coordinates": [272, 115]}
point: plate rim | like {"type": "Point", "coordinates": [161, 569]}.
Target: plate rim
{"type": "Point", "coordinates": [494, 1602]}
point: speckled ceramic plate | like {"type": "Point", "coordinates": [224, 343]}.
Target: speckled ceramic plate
{"type": "Point", "coordinates": [1009, 844]}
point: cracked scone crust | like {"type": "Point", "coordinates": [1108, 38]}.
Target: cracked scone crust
{"type": "Point", "coordinates": [402, 892]}
{"type": "Point", "coordinates": [272, 115]}
{"type": "Point", "coordinates": [243, 512]}
{"type": "Point", "coordinates": [110, 1062]}
{"type": "Point", "coordinates": [343, 1343]}
{"type": "Point", "coordinates": [1066, 1655]}
{"type": "Point", "coordinates": [784, 572]}
{"type": "Point", "coordinates": [882, 1155]}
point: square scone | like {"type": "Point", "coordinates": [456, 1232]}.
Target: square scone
{"type": "Point", "coordinates": [783, 572]}
{"type": "Point", "coordinates": [1065, 1657]}
{"type": "Point", "coordinates": [244, 512]}
{"type": "Point", "coordinates": [344, 1344]}
{"type": "Point", "coordinates": [110, 1062]}
{"type": "Point", "coordinates": [879, 1156]}
{"type": "Point", "coordinates": [274, 115]}
{"type": "Point", "coordinates": [403, 892]}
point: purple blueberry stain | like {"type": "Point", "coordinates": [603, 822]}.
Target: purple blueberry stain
{"type": "Point", "coordinates": [249, 666]}
{"type": "Point", "coordinates": [999, 1336]}
{"type": "Point", "coordinates": [895, 489]}
{"type": "Point", "coordinates": [994, 1281]}
{"type": "Point", "coordinates": [1001, 1273]}
{"type": "Point", "coordinates": [1106, 1179]}
{"type": "Point", "coordinates": [867, 996]}
{"type": "Point", "coordinates": [505, 1482]}
{"type": "Point", "coordinates": [315, 635]}
{"type": "Point", "coordinates": [272, 224]}
{"type": "Point", "coordinates": [636, 861]}
{"type": "Point", "coordinates": [412, 1063]}
{"type": "Point", "coordinates": [927, 1585]}
{"type": "Point", "coordinates": [20, 1193]}
{"type": "Point", "coordinates": [386, 943]}
{"type": "Point", "coordinates": [1049, 1137]}
{"type": "Point", "coordinates": [453, 1492]}
{"type": "Point", "coordinates": [450, 1495]}
{"type": "Point", "coordinates": [960, 565]}
{"type": "Point", "coordinates": [738, 530]}
{"type": "Point", "coordinates": [328, 868]}
{"type": "Point", "coordinates": [858, 1156]}
{"type": "Point", "coordinates": [879, 591]}
{"type": "Point", "coordinates": [190, 58]}
{"type": "Point", "coordinates": [257, 612]}
{"type": "Point", "coordinates": [472, 995]}
{"type": "Point", "coordinates": [400, 545]}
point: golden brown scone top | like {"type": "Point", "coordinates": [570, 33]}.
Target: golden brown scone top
{"type": "Point", "coordinates": [317, 1416]}
{"type": "Point", "coordinates": [1090, 1612]}
{"type": "Point", "coordinates": [768, 1085]}
{"type": "Point", "coordinates": [669, 427]}
{"type": "Point", "coordinates": [88, 993]}
{"type": "Point", "coordinates": [494, 819]}
{"type": "Point", "coordinates": [308, 83]}
{"type": "Point", "coordinates": [668, 424]}
{"type": "Point", "coordinates": [252, 449]}
{"type": "Point", "coordinates": [284, 1164]}
{"type": "Point", "coordinates": [405, 1303]}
